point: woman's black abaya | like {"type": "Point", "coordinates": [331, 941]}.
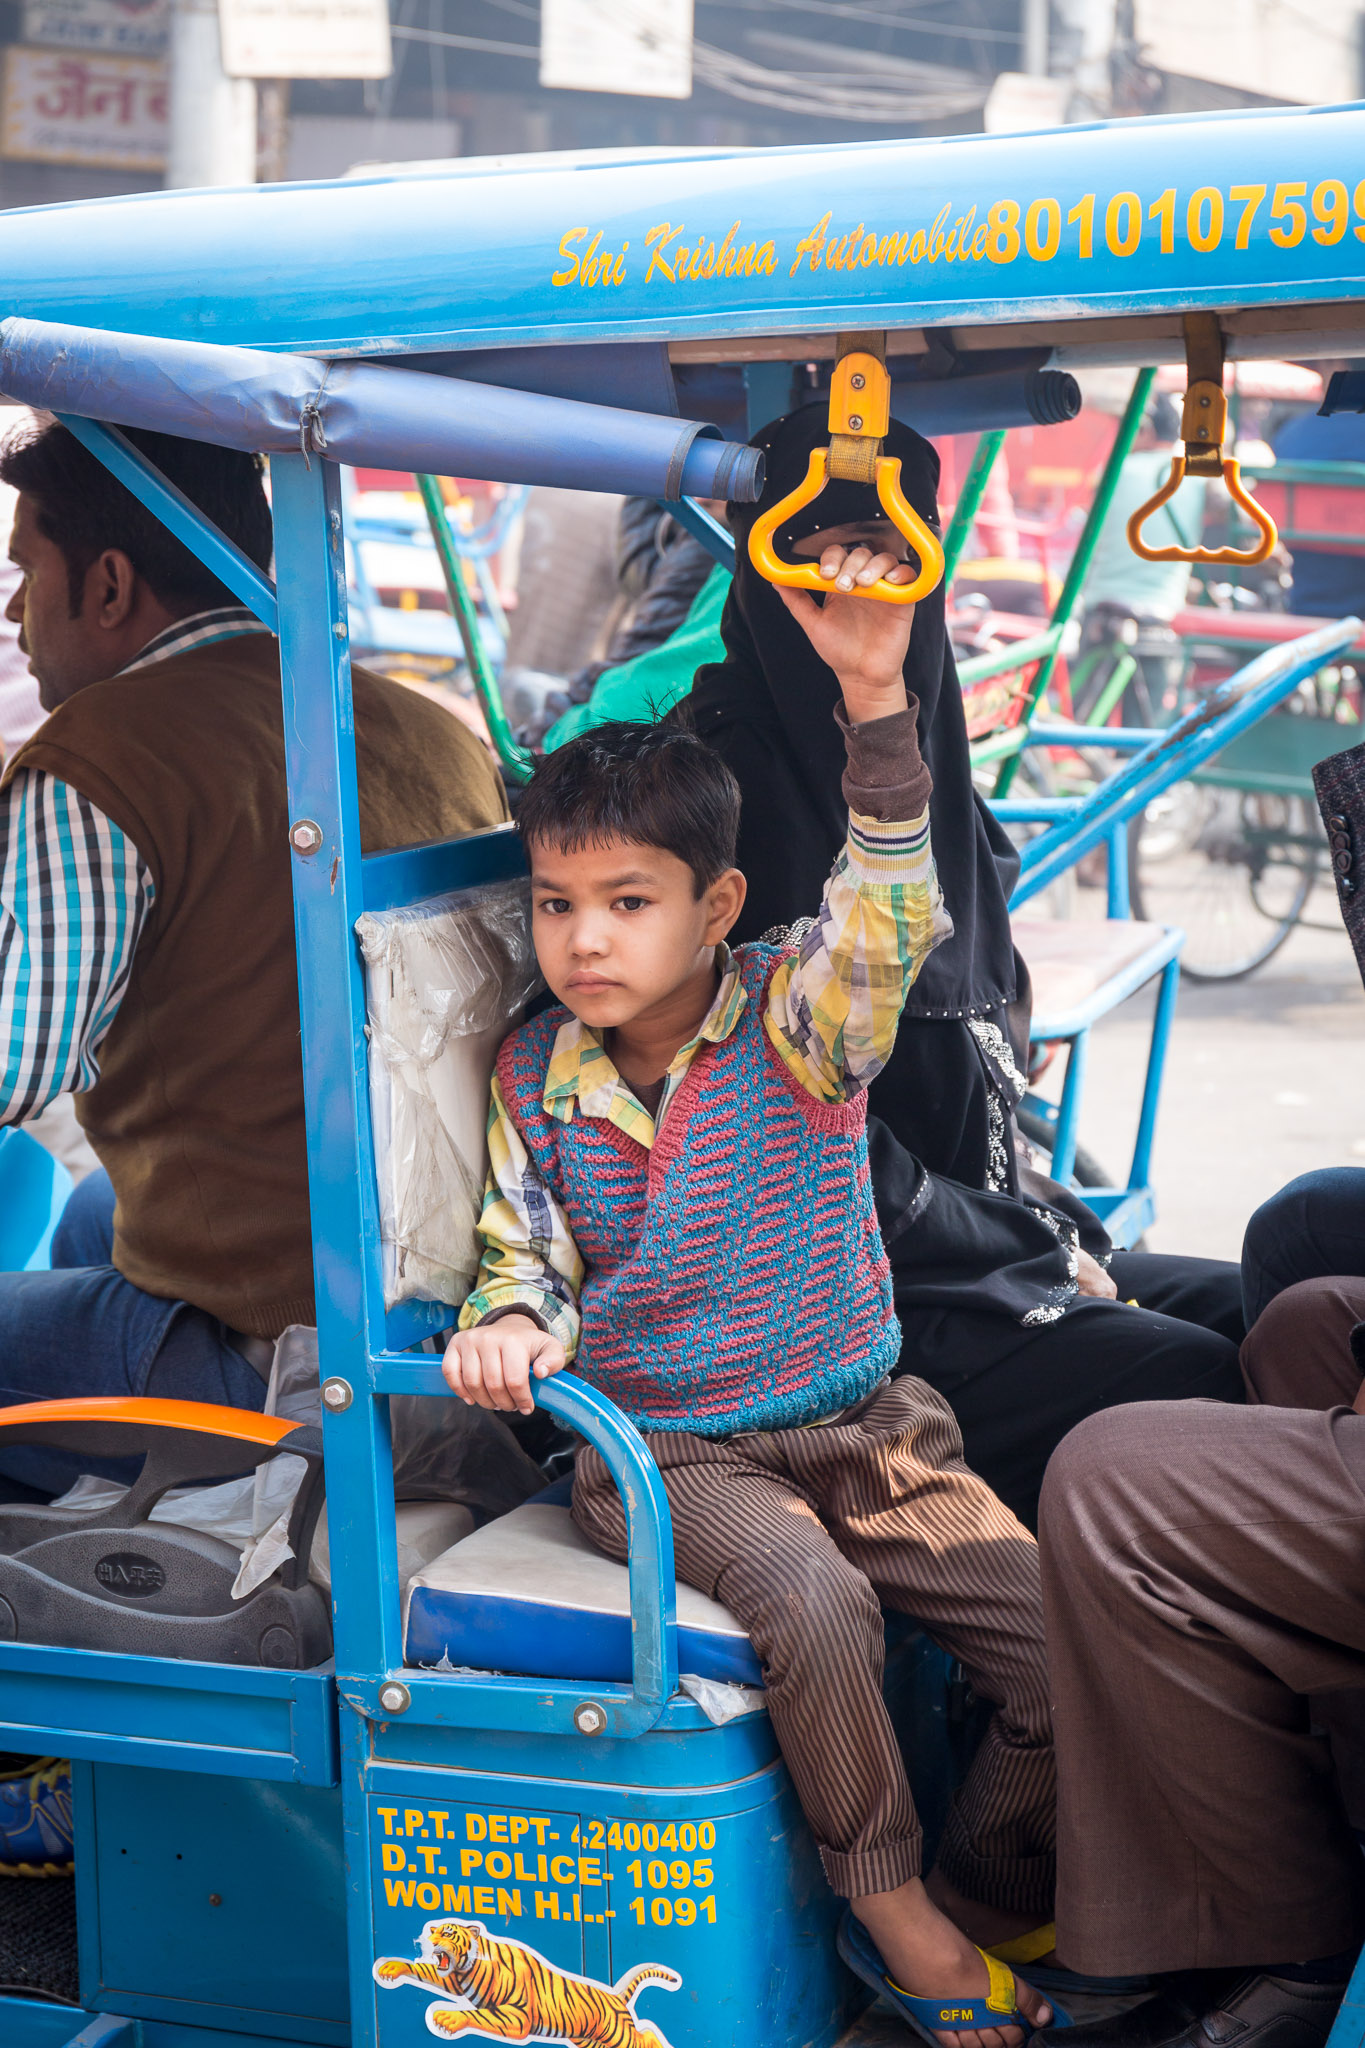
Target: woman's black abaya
{"type": "Point", "coordinates": [982, 1270]}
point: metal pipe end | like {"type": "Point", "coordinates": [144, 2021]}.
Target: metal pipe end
{"type": "Point", "coordinates": [740, 474]}
{"type": "Point", "coordinates": [1052, 396]}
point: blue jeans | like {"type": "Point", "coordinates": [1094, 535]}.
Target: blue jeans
{"type": "Point", "coordinates": [83, 1329]}
{"type": "Point", "coordinates": [1312, 1229]}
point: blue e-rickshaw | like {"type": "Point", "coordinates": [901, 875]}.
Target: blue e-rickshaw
{"type": "Point", "coordinates": [282, 1848]}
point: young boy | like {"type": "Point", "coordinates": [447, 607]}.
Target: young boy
{"type": "Point", "coordinates": [679, 1194]}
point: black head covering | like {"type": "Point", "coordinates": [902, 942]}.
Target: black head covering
{"type": "Point", "coordinates": [768, 709]}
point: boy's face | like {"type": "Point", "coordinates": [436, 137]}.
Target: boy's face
{"type": "Point", "coordinates": [619, 929]}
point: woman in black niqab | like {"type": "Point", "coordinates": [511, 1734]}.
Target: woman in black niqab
{"type": "Point", "coordinates": [982, 1250]}
{"type": "Point", "coordinates": [768, 708]}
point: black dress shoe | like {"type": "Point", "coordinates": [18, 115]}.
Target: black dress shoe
{"type": "Point", "coordinates": [1258, 2012]}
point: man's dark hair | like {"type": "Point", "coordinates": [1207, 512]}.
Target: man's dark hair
{"type": "Point", "coordinates": [657, 785]}
{"type": "Point", "coordinates": [83, 509]}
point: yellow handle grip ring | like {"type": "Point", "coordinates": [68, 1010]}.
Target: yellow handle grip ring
{"type": "Point", "coordinates": [806, 575]}
{"type": "Point", "coordinates": [1246, 558]}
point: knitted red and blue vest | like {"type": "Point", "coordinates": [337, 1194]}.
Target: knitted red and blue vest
{"type": "Point", "coordinates": [735, 1275]}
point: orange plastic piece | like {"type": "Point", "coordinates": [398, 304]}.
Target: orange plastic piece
{"type": "Point", "coordinates": [860, 397]}
{"type": "Point", "coordinates": [859, 412]}
{"type": "Point", "coordinates": [201, 1416]}
{"type": "Point", "coordinates": [1240, 496]}
{"type": "Point", "coordinates": [806, 575]}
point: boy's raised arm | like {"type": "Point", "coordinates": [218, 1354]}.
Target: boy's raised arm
{"type": "Point", "coordinates": [833, 1011]}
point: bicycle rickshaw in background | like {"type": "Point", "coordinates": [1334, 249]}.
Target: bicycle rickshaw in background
{"type": "Point", "coordinates": [277, 1804]}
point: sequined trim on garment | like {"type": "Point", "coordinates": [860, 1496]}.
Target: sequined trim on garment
{"type": "Point", "coordinates": [1059, 1298]}
{"type": "Point", "coordinates": [999, 1055]}
{"type": "Point", "coordinates": [790, 937]}
{"type": "Point", "coordinates": [1004, 1092]}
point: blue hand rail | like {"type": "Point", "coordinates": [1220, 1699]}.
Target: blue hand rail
{"type": "Point", "coordinates": [1174, 754]}
{"type": "Point", "coordinates": [478, 1700]}
{"type": "Point", "coordinates": [649, 1531]}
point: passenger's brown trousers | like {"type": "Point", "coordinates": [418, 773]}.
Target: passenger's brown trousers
{"type": "Point", "coordinates": [802, 1533]}
{"type": "Point", "coordinates": [1203, 1572]}
{"type": "Point", "coordinates": [1297, 1354]}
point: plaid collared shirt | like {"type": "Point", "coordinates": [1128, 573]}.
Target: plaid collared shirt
{"type": "Point", "coordinates": [74, 895]}
{"type": "Point", "coordinates": [831, 1015]}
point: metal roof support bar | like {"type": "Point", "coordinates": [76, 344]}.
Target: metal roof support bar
{"type": "Point", "coordinates": [1085, 550]}
{"type": "Point", "coordinates": [515, 758]}
{"type": "Point", "coordinates": [205, 541]}
{"type": "Point", "coordinates": [361, 414]}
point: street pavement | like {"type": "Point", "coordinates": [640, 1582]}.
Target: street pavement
{"type": "Point", "coordinates": [1265, 1080]}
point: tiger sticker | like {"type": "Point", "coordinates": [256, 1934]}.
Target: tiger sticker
{"type": "Point", "coordinates": [509, 1993]}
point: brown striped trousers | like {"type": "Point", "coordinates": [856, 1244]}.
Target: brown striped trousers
{"type": "Point", "coordinates": [805, 1534]}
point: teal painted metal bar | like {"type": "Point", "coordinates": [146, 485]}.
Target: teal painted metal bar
{"type": "Point", "coordinates": [515, 758]}
{"type": "Point", "coordinates": [189, 525]}
{"type": "Point", "coordinates": [718, 541]}
{"type": "Point", "coordinates": [533, 1704]}
{"type": "Point", "coordinates": [1085, 549]}
{"type": "Point", "coordinates": [1183, 747]}
{"type": "Point", "coordinates": [409, 874]}
{"type": "Point", "coordinates": [969, 500]}
{"type": "Point", "coordinates": [1151, 1089]}
{"type": "Point", "coordinates": [979, 668]}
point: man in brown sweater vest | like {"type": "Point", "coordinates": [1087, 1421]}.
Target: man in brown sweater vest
{"type": "Point", "coordinates": [147, 957]}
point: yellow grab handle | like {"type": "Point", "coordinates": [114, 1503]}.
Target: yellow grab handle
{"type": "Point", "coordinates": [806, 575]}
{"type": "Point", "coordinates": [1245, 558]}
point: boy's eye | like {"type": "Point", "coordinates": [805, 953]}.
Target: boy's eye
{"type": "Point", "coordinates": [553, 906]}
{"type": "Point", "coordinates": [632, 903]}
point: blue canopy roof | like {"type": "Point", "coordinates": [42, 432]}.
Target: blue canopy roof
{"type": "Point", "coordinates": [706, 249]}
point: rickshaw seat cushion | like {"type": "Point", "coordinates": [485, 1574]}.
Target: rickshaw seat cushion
{"type": "Point", "coordinates": [528, 1594]}
{"type": "Point", "coordinates": [1069, 961]}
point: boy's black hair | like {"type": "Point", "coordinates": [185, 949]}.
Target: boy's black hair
{"type": "Point", "coordinates": [84, 509]}
{"type": "Point", "coordinates": [658, 785]}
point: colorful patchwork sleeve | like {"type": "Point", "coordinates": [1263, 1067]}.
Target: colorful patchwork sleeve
{"type": "Point", "coordinates": [833, 1009]}
{"type": "Point", "coordinates": [529, 1257]}
{"type": "Point", "coordinates": [74, 893]}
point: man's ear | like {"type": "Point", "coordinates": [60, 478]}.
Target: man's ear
{"type": "Point", "coordinates": [725, 900]}
{"type": "Point", "coordinates": [111, 590]}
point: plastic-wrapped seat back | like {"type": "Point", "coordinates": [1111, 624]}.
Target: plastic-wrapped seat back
{"type": "Point", "coordinates": [445, 980]}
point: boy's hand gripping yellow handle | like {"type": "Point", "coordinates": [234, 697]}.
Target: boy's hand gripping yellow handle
{"type": "Point", "coordinates": [1203, 425]}
{"type": "Point", "coordinates": [859, 416]}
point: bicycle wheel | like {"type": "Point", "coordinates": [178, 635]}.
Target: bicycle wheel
{"type": "Point", "coordinates": [1233, 870]}
{"type": "Point", "coordinates": [1038, 1131]}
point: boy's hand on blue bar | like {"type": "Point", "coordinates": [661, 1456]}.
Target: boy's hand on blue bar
{"type": "Point", "coordinates": [492, 1365]}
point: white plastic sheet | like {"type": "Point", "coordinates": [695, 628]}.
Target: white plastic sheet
{"type": "Point", "coordinates": [721, 1701]}
{"type": "Point", "coordinates": [450, 1462]}
{"type": "Point", "coordinates": [445, 980]}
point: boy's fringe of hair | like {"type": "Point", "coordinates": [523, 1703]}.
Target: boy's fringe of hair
{"type": "Point", "coordinates": [655, 785]}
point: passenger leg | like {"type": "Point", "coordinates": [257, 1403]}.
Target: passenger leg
{"type": "Point", "coordinates": [1206, 1292]}
{"type": "Point", "coordinates": [1202, 1575]}
{"type": "Point", "coordinates": [934, 1542]}
{"type": "Point", "coordinates": [87, 1330]}
{"type": "Point", "coordinates": [85, 1233]}
{"type": "Point", "coordinates": [1298, 1354]}
{"type": "Point", "coordinates": [745, 1531]}
{"type": "Point", "coordinates": [1313, 1228]}
{"type": "Point", "coordinates": [1017, 1392]}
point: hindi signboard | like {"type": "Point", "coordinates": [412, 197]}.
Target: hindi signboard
{"type": "Point", "coordinates": [68, 107]}
{"type": "Point", "coordinates": [128, 28]}
{"type": "Point", "coordinates": [643, 47]}
{"type": "Point", "coordinates": [305, 38]}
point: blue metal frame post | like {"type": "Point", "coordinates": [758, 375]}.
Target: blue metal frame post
{"type": "Point", "coordinates": [1141, 1173]}
{"type": "Point", "coordinates": [324, 815]}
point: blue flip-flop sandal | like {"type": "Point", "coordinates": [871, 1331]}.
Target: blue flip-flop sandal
{"type": "Point", "coordinates": [1026, 1949]}
{"type": "Point", "coordinates": [931, 2017]}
